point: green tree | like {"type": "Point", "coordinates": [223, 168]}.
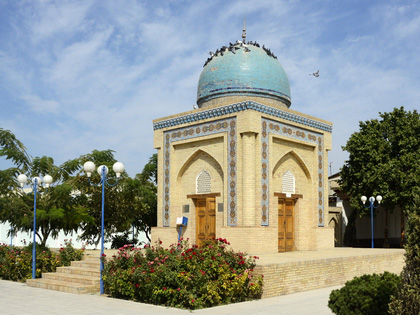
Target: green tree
{"type": "Point", "coordinates": [14, 150]}
{"type": "Point", "coordinates": [407, 299]}
{"type": "Point", "coordinates": [58, 208]}
{"type": "Point", "coordinates": [144, 197]}
{"type": "Point", "coordinates": [118, 210]}
{"type": "Point", "coordinates": [384, 158]}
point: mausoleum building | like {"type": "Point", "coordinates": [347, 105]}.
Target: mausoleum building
{"type": "Point", "coordinates": [243, 165]}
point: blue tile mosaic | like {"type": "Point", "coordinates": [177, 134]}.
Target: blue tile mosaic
{"type": "Point", "coordinates": [251, 70]}
{"type": "Point", "coordinates": [275, 127]}
{"type": "Point", "coordinates": [224, 125]}
{"type": "Point", "coordinates": [238, 107]}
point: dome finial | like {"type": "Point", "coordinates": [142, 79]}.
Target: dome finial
{"type": "Point", "coordinates": [244, 32]}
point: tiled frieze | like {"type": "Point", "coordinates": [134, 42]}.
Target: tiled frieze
{"type": "Point", "coordinates": [214, 127]}
{"type": "Point", "coordinates": [285, 130]}
{"type": "Point", "coordinates": [238, 107]}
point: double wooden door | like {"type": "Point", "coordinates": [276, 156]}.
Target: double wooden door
{"type": "Point", "coordinates": [205, 209]}
{"type": "Point", "coordinates": [286, 225]}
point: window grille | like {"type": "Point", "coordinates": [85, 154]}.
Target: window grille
{"type": "Point", "coordinates": [288, 183]}
{"type": "Point", "coordinates": [203, 183]}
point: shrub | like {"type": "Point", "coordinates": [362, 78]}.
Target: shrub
{"type": "Point", "coordinates": [407, 298]}
{"type": "Point", "coordinates": [68, 253]}
{"type": "Point", "coordinates": [368, 294]}
{"type": "Point", "coordinates": [16, 263]}
{"type": "Point", "coordinates": [184, 275]}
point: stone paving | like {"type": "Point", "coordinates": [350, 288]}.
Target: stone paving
{"type": "Point", "coordinates": [17, 298]}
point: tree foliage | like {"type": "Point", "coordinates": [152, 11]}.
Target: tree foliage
{"type": "Point", "coordinates": [58, 208]}
{"type": "Point", "coordinates": [144, 190]}
{"type": "Point", "coordinates": [407, 299]}
{"type": "Point", "coordinates": [73, 203]}
{"type": "Point", "coordinates": [14, 150]}
{"type": "Point", "coordinates": [384, 158]}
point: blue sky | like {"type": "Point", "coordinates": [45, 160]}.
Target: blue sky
{"type": "Point", "coordinates": [82, 75]}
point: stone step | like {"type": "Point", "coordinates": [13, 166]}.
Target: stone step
{"type": "Point", "coordinates": [72, 278]}
{"type": "Point", "coordinates": [79, 271]}
{"type": "Point", "coordinates": [62, 286]}
{"type": "Point", "coordinates": [86, 264]}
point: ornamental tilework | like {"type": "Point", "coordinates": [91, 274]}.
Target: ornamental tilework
{"type": "Point", "coordinates": [238, 107]}
{"type": "Point", "coordinates": [270, 126]}
{"type": "Point", "coordinates": [225, 125]}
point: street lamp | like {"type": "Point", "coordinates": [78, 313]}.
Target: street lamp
{"type": "Point", "coordinates": [89, 168]}
{"type": "Point", "coordinates": [22, 179]}
{"type": "Point", "coordinates": [372, 206]}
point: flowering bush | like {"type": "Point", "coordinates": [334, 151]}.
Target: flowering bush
{"type": "Point", "coordinates": [16, 263]}
{"type": "Point", "coordinates": [184, 275]}
{"type": "Point", "coordinates": [68, 253]}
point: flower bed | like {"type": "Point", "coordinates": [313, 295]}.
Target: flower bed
{"type": "Point", "coordinates": [184, 275]}
{"type": "Point", "coordinates": [16, 262]}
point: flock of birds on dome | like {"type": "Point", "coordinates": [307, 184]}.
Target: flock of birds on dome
{"type": "Point", "coordinates": [236, 46]}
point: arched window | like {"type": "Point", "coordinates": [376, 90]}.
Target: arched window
{"type": "Point", "coordinates": [288, 183]}
{"type": "Point", "coordinates": [203, 185]}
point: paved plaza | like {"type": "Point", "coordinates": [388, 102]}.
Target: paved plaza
{"type": "Point", "coordinates": [17, 298]}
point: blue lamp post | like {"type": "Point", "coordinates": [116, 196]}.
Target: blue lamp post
{"type": "Point", "coordinates": [372, 206]}
{"type": "Point", "coordinates": [118, 168]}
{"type": "Point", "coordinates": [22, 179]}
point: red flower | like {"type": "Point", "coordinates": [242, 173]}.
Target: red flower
{"type": "Point", "coordinates": [137, 285]}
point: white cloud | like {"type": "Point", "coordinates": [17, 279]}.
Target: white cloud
{"type": "Point", "coordinates": [100, 71]}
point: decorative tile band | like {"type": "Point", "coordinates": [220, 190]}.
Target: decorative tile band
{"type": "Point", "coordinates": [271, 126]}
{"type": "Point", "coordinates": [214, 127]}
{"type": "Point", "coordinates": [238, 107]}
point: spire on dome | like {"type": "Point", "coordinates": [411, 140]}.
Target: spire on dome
{"type": "Point", "coordinates": [244, 32]}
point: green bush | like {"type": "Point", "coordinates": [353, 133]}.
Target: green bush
{"type": "Point", "coordinates": [68, 253]}
{"type": "Point", "coordinates": [16, 263]}
{"type": "Point", "coordinates": [407, 298]}
{"type": "Point", "coordinates": [184, 275]}
{"type": "Point", "coordinates": [368, 294]}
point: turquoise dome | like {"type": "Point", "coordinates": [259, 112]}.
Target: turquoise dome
{"type": "Point", "coordinates": [243, 70]}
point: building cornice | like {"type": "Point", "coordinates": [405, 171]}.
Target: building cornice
{"type": "Point", "coordinates": [239, 107]}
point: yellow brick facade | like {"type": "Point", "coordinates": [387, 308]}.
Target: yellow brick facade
{"type": "Point", "coordinates": [246, 147]}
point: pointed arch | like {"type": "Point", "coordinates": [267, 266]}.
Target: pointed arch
{"type": "Point", "coordinates": [203, 154]}
{"type": "Point", "coordinates": [290, 154]}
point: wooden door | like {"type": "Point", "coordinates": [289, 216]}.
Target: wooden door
{"type": "Point", "coordinates": [286, 225]}
{"type": "Point", "coordinates": [205, 209]}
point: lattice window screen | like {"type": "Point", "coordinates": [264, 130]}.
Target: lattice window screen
{"type": "Point", "coordinates": [203, 183]}
{"type": "Point", "coordinates": [288, 183]}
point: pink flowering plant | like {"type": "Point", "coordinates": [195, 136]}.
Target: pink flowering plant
{"type": "Point", "coordinates": [16, 262]}
{"type": "Point", "coordinates": [185, 275]}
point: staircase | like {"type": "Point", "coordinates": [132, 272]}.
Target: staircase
{"type": "Point", "coordinates": [81, 277]}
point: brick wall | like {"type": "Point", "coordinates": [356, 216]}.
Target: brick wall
{"type": "Point", "coordinates": [286, 278]}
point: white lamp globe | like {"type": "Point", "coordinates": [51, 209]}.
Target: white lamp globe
{"type": "Point", "coordinates": [22, 179]}
{"type": "Point", "coordinates": [89, 168]}
{"type": "Point", "coordinates": [363, 199]}
{"type": "Point", "coordinates": [118, 168]}
{"type": "Point", "coordinates": [36, 180]}
{"type": "Point", "coordinates": [48, 180]}
{"type": "Point", "coordinates": [379, 198]}
{"type": "Point", "coordinates": [100, 170]}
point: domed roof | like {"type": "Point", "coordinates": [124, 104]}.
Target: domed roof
{"type": "Point", "coordinates": [243, 70]}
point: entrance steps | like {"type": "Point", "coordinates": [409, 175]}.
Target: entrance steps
{"type": "Point", "coordinates": [81, 277]}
